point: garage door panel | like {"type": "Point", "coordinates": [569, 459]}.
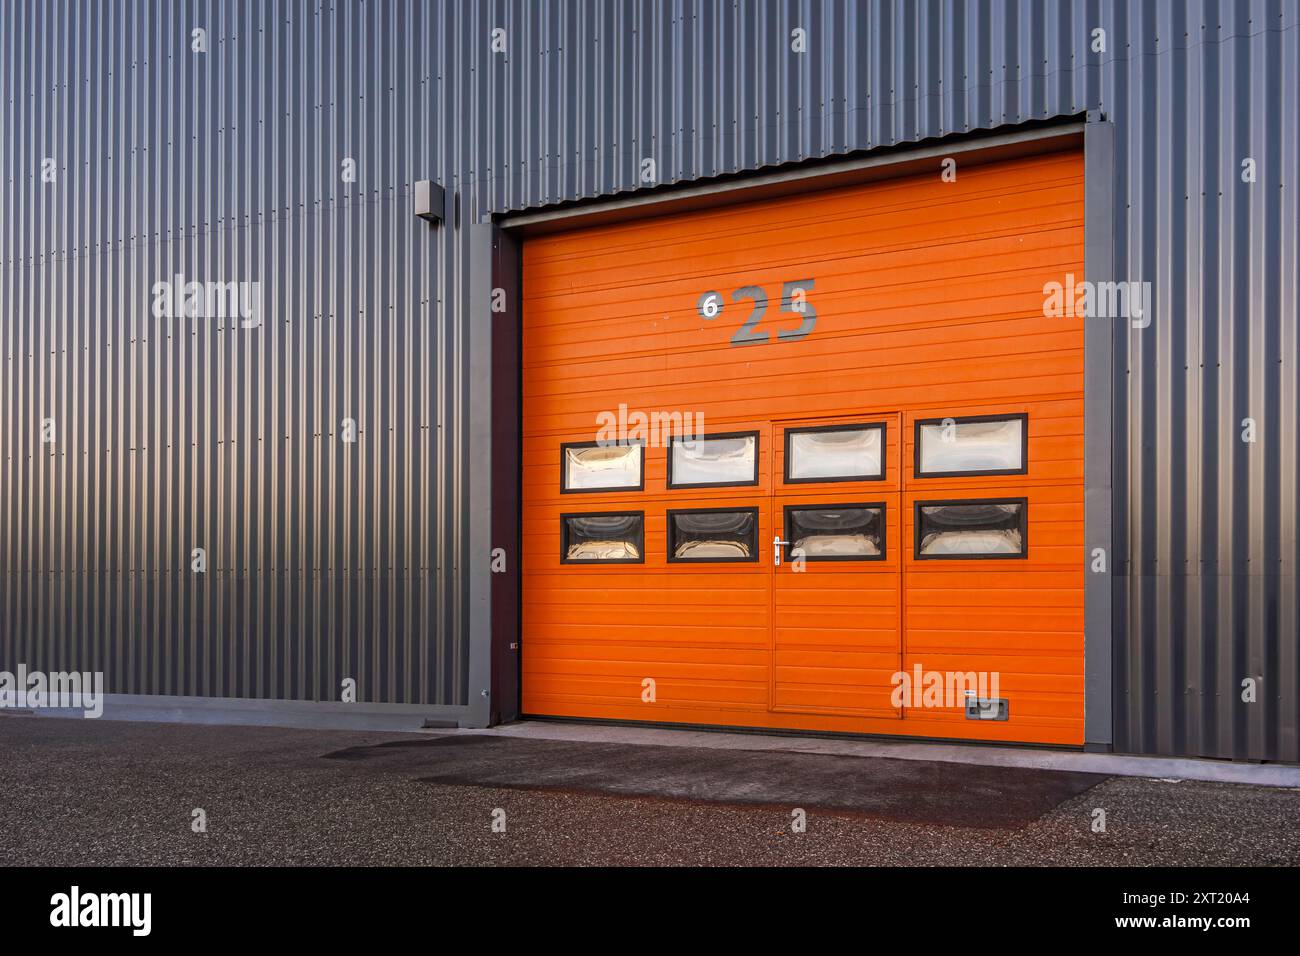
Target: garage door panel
{"type": "Point", "coordinates": [613, 588]}
{"type": "Point", "coordinates": [853, 313]}
{"type": "Point", "coordinates": [924, 244]}
{"type": "Point", "coordinates": [567, 632]}
{"type": "Point", "coordinates": [958, 618]}
{"type": "Point", "coordinates": [912, 234]}
{"type": "Point", "coordinates": [660, 609]}
{"type": "Point", "coordinates": [830, 666]}
{"type": "Point", "coordinates": [827, 588]}
{"type": "Point", "coordinates": [921, 640]}
{"type": "Point", "coordinates": [655, 505]}
{"type": "Point", "coordinates": [651, 583]}
{"type": "Point", "coordinates": [581, 653]}
{"type": "Point", "coordinates": [871, 306]}
{"type": "Point", "coordinates": [627, 691]}
{"type": "Point", "coordinates": [913, 277]}
{"type": "Point", "coordinates": [988, 379]}
{"type": "Point", "coordinates": [915, 342]}
{"type": "Point", "coordinates": [879, 635]}
{"type": "Point", "coordinates": [993, 598]}
{"type": "Point", "coordinates": [864, 696]}
{"type": "Point", "coordinates": [1065, 472]}
{"type": "Point", "coordinates": [544, 487]}
{"type": "Point", "coordinates": [865, 607]}
{"type": "Point", "coordinates": [967, 385]}
{"type": "Point", "coordinates": [977, 390]}
{"type": "Point", "coordinates": [1041, 664]}
{"type": "Point", "coordinates": [896, 323]}
{"type": "Point", "coordinates": [922, 580]}
{"type": "Point", "coordinates": [1052, 692]}
{"type": "Point", "coordinates": [692, 372]}
{"type": "Point", "coordinates": [542, 483]}
{"type": "Point", "coordinates": [958, 302]}
{"type": "Point", "coordinates": [1067, 555]}
{"type": "Point", "coordinates": [683, 692]}
{"type": "Point", "coordinates": [1047, 192]}
{"type": "Point", "coordinates": [662, 671]}
{"type": "Point", "coordinates": [747, 610]}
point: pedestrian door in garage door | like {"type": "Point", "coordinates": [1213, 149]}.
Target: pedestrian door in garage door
{"type": "Point", "coordinates": [836, 566]}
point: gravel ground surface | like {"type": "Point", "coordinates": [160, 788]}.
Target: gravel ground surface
{"type": "Point", "coordinates": [99, 792]}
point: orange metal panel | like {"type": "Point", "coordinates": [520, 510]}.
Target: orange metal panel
{"type": "Point", "coordinates": [928, 300]}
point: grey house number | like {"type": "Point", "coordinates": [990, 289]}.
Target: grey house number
{"type": "Point", "coordinates": [794, 300]}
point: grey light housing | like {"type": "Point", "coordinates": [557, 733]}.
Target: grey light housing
{"type": "Point", "coordinates": [430, 201]}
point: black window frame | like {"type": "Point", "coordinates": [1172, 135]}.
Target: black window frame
{"type": "Point", "coordinates": [971, 419]}
{"type": "Point", "coordinates": [564, 471]}
{"type": "Point", "coordinates": [758, 442]}
{"type": "Point", "coordinates": [883, 426]}
{"type": "Point", "coordinates": [564, 537]}
{"type": "Point", "coordinates": [946, 502]}
{"type": "Point", "coordinates": [881, 506]}
{"type": "Point", "coordinates": [670, 528]}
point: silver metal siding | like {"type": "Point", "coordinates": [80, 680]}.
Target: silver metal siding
{"type": "Point", "coordinates": [332, 560]}
{"type": "Point", "coordinates": [326, 560]}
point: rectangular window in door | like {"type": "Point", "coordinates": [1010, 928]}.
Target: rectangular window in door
{"type": "Point", "coordinates": [847, 451]}
{"type": "Point", "coordinates": [836, 532]}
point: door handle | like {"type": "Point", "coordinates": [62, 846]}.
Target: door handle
{"type": "Point", "coordinates": [777, 544]}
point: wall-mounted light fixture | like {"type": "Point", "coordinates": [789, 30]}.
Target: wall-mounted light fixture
{"type": "Point", "coordinates": [430, 201]}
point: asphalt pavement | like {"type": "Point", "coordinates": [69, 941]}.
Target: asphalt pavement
{"type": "Point", "coordinates": [80, 792]}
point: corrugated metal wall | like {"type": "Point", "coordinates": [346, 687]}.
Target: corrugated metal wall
{"type": "Point", "coordinates": [331, 559]}
{"type": "Point", "coordinates": [326, 559]}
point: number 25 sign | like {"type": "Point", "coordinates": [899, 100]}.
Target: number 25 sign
{"type": "Point", "coordinates": [794, 300]}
